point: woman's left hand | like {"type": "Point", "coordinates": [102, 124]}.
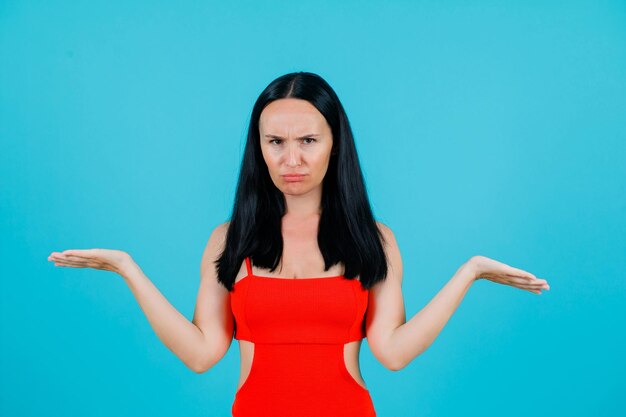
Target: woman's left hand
{"type": "Point", "coordinates": [501, 273]}
{"type": "Point", "coordinates": [104, 259]}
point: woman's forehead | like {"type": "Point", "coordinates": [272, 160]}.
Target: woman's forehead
{"type": "Point", "coordinates": [291, 117]}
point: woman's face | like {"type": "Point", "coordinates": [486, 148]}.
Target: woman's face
{"type": "Point", "coordinates": [295, 139]}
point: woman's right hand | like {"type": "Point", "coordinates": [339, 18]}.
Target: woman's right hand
{"type": "Point", "coordinates": [104, 259]}
{"type": "Point", "coordinates": [501, 273]}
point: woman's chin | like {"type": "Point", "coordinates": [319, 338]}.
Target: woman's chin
{"type": "Point", "coordinates": [295, 189]}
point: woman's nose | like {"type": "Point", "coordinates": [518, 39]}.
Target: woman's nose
{"type": "Point", "coordinates": [293, 156]}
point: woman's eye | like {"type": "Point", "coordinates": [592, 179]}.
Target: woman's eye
{"type": "Point", "coordinates": [278, 141]}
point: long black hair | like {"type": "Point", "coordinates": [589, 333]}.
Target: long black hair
{"type": "Point", "coordinates": [347, 230]}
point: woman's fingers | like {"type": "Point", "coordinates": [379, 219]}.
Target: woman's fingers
{"type": "Point", "coordinates": [530, 281]}
{"type": "Point", "coordinates": [516, 272]}
{"type": "Point", "coordinates": [70, 264]}
{"type": "Point", "coordinates": [521, 276]}
{"type": "Point", "coordinates": [73, 255]}
{"type": "Point", "coordinates": [75, 252]}
{"type": "Point", "coordinates": [534, 285]}
{"type": "Point", "coordinates": [71, 258]}
{"type": "Point", "coordinates": [80, 262]}
{"type": "Point", "coordinates": [502, 273]}
{"type": "Point", "coordinates": [86, 253]}
{"type": "Point", "coordinates": [105, 259]}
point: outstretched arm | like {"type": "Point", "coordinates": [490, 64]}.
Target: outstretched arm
{"type": "Point", "coordinates": [199, 343]}
{"type": "Point", "coordinates": [181, 336]}
{"type": "Point", "coordinates": [396, 342]}
{"type": "Point", "coordinates": [412, 338]}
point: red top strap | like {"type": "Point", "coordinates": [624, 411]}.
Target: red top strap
{"type": "Point", "coordinates": [248, 266]}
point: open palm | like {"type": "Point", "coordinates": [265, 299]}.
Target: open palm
{"type": "Point", "coordinates": [501, 273]}
{"type": "Point", "coordinates": [104, 259]}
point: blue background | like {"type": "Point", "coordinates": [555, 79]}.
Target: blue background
{"type": "Point", "coordinates": [483, 128]}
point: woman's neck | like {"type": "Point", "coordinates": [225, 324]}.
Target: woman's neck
{"type": "Point", "coordinates": [302, 207]}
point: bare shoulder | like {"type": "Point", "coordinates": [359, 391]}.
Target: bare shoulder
{"type": "Point", "coordinates": [385, 230]}
{"type": "Point", "coordinates": [221, 229]}
{"type": "Point", "coordinates": [392, 251]}
{"type": "Point", "coordinates": [390, 243]}
{"type": "Point", "coordinates": [214, 247]}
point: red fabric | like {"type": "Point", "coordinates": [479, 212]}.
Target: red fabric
{"type": "Point", "coordinates": [299, 327]}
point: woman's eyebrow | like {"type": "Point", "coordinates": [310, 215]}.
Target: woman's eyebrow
{"type": "Point", "coordinates": [303, 137]}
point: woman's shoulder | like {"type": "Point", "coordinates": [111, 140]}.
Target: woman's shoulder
{"type": "Point", "coordinates": [221, 228]}
{"type": "Point", "coordinates": [218, 234]}
{"type": "Point", "coordinates": [388, 236]}
{"type": "Point", "coordinates": [386, 230]}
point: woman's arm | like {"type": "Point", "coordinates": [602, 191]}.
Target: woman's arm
{"type": "Point", "coordinates": [199, 344]}
{"type": "Point", "coordinates": [394, 341]}
{"type": "Point", "coordinates": [181, 336]}
{"type": "Point", "coordinates": [185, 339]}
{"type": "Point", "coordinates": [415, 336]}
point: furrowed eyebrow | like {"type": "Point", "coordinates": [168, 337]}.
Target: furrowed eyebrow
{"type": "Point", "coordinates": [303, 137]}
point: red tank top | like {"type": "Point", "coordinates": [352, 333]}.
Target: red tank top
{"type": "Point", "coordinates": [299, 327]}
{"type": "Point", "coordinates": [300, 310]}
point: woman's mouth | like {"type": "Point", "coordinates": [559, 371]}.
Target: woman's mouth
{"type": "Point", "coordinates": [293, 177]}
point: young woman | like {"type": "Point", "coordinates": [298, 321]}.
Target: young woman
{"type": "Point", "coordinates": [302, 272]}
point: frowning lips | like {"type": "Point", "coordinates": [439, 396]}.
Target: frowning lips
{"type": "Point", "coordinates": [293, 177]}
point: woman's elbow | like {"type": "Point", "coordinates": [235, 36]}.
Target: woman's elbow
{"type": "Point", "coordinates": [389, 362]}
{"type": "Point", "coordinates": [396, 366]}
{"type": "Point", "coordinates": [208, 359]}
{"type": "Point", "coordinates": [203, 365]}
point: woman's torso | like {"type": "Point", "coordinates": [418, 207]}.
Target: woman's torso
{"type": "Point", "coordinates": [299, 255]}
